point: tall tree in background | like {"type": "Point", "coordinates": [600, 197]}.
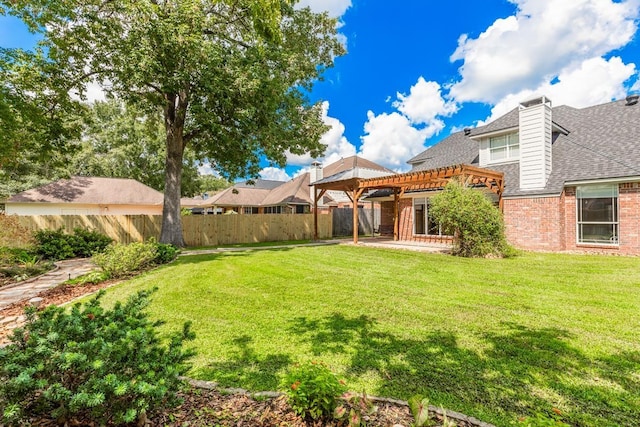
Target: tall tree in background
{"type": "Point", "coordinates": [229, 75]}
{"type": "Point", "coordinates": [120, 141]}
{"type": "Point", "coordinates": [38, 121]}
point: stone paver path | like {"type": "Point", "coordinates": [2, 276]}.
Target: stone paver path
{"type": "Point", "coordinates": [69, 269]}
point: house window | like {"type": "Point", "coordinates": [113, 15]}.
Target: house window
{"type": "Point", "coordinates": [597, 216]}
{"type": "Point", "coordinates": [273, 210]}
{"type": "Point", "coordinates": [423, 222]}
{"type": "Point", "coordinates": [250, 210]}
{"type": "Point", "coordinates": [504, 148]}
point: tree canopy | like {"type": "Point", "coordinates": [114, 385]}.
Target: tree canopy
{"type": "Point", "coordinates": [230, 76]}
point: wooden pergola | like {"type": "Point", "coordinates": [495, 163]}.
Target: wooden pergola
{"type": "Point", "coordinates": [401, 183]}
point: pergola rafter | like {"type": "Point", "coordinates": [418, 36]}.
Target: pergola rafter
{"type": "Point", "coordinates": [410, 181]}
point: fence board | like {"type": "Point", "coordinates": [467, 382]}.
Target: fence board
{"type": "Point", "coordinates": [198, 230]}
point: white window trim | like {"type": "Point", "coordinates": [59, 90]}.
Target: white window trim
{"type": "Point", "coordinates": [616, 223]}
{"type": "Point", "coordinates": [508, 146]}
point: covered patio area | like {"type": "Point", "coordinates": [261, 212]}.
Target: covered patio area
{"type": "Point", "coordinates": [400, 184]}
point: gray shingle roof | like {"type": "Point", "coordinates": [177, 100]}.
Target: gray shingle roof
{"type": "Point", "coordinates": [603, 142]}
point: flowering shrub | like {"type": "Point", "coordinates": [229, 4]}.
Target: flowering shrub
{"type": "Point", "coordinates": [313, 390]}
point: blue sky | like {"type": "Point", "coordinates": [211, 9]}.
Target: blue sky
{"type": "Point", "coordinates": [417, 70]}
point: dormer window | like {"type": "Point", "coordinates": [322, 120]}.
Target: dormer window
{"type": "Point", "coordinates": [504, 148]}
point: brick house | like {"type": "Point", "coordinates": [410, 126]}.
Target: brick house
{"type": "Point", "coordinates": [571, 177]}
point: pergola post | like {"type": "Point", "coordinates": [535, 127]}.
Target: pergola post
{"type": "Point", "coordinates": [356, 195]}
{"type": "Point", "coordinates": [316, 197]}
{"type": "Point", "coordinates": [396, 226]}
{"type": "Point", "coordinates": [315, 213]}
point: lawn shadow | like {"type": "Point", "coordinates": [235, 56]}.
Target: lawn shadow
{"type": "Point", "coordinates": [247, 369]}
{"type": "Point", "coordinates": [519, 371]}
{"type": "Point", "coordinates": [225, 252]}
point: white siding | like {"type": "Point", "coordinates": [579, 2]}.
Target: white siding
{"type": "Point", "coordinates": [80, 209]}
{"type": "Point", "coordinates": [484, 159]}
{"type": "Point", "coordinates": [535, 145]}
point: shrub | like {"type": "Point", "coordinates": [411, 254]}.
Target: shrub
{"type": "Point", "coordinates": [53, 244]}
{"type": "Point", "coordinates": [90, 365]}
{"type": "Point", "coordinates": [86, 243]}
{"type": "Point", "coordinates": [313, 390]}
{"type": "Point", "coordinates": [57, 245]}
{"type": "Point", "coordinates": [165, 253]}
{"type": "Point", "coordinates": [120, 260]}
{"type": "Point", "coordinates": [476, 224]}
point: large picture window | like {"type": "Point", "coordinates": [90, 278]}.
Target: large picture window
{"type": "Point", "coordinates": [423, 223]}
{"type": "Point", "coordinates": [504, 148]}
{"type": "Point", "coordinates": [597, 214]}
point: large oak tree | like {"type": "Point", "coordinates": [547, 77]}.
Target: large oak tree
{"type": "Point", "coordinates": [229, 75]}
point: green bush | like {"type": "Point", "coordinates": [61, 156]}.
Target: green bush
{"type": "Point", "coordinates": [58, 245]}
{"type": "Point", "coordinates": [53, 244]}
{"type": "Point", "coordinates": [90, 365]}
{"type": "Point", "coordinates": [120, 260]}
{"type": "Point", "coordinates": [476, 224]}
{"type": "Point", "coordinates": [165, 253]}
{"type": "Point", "coordinates": [86, 243]}
{"type": "Point", "coordinates": [313, 390]}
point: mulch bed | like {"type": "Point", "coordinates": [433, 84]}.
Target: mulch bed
{"type": "Point", "coordinates": [202, 408]}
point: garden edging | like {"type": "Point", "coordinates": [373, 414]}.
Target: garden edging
{"type": "Point", "coordinates": [209, 385]}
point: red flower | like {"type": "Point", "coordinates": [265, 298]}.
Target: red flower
{"type": "Point", "coordinates": [295, 385]}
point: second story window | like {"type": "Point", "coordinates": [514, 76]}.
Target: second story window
{"type": "Point", "coordinates": [504, 148]}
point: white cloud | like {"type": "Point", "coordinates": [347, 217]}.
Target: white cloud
{"type": "Point", "coordinates": [594, 81]}
{"type": "Point", "coordinates": [541, 39]}
{"type": "Point", "coordinates": [636, 87]}
{"type": "Point", "coordinates": [336, 8]}
{"type": "Point", "coordinates": [424, 103]}
{"type": "Point", "coordinates": [275, 174]}
{"type": "Point", "coordinates": [391, 140]}
{"type": "Point", "coordinates": [337, 144]}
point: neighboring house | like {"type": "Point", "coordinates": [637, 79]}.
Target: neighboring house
{"type": "Point", "coordinates": [571, 176]}
{"type": "Point", "coordinates": [294, 196]}
{"type": "Point", "coordinates": [87, 196]}
{"type": "Point", "coordinates": [258, 196]}
{"type": "Point", "coordinates": [344, 169]}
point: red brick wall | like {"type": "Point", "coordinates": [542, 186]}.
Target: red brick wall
{"type": "Point", "coordinates": [629, 200]}
{"type": "Point", "coordinates": [534, 223]}
{"type": "Point", "coordinates": [550, 223]}
{"type": "Point", "coordinates": [386, 218]}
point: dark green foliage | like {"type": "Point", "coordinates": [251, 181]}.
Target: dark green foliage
{"type": "Point", "coordinates": [165, 253]}
{"type": "Point", "coordinates": [476, 224]}
{"type": "Point", "coordinates": [58, 245]}
{"type": "Point", "coordinates": [91, 364]}
{"type": "Point", "coordinates": [53, 244]}
{"type": "Point", "coordinates": [121, 260]}
{"type": "Point", "coordinates": [85, 243]}
{"type": "Point", "coordinates": [313, 390]}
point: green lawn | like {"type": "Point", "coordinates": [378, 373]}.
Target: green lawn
{"type": "Point", "coordinates": [496, 339]}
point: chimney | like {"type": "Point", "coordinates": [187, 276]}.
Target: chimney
{"type": "Point", "coordinates": [315, 174]}
{"type": "Point", "coordinates": [535, 143]}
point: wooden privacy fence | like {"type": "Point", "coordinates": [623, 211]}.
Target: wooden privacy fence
{"type": "Point", "coordinates": [198, 230]}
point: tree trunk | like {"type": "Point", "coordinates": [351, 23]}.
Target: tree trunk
{"type": "Point", "coordinates": [174, 114]}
